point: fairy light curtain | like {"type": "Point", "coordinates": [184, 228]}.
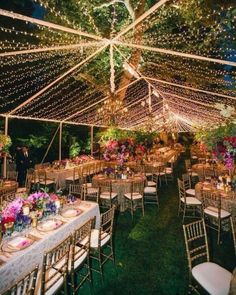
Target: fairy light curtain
{"type": "Point", "coordinates": [158, 60]}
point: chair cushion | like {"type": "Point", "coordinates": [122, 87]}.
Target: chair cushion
{"type": "Point", "coordinates": [151, 183]}
{"type": "Point", "coordinates": [95, 236]}
{"type": "Point", "coordinates": [135, 196]}
{"type": "Point", "coordinates": [213, 211]}
{"type": "Point", "coordinates": [54, 284]}
{"type": "Point", "coordinates": [213, 278]}
{"type": "Point", "coordinates": [106, 195]}
{"type": "Point", "coordinates": [150, 190]}
{"type": "Point", "coordinates": [148, 174]}
{"type": "Point", "coordinates": [169, 171]}
{"type": "Point", "coordinates": [80, 256]}
{"type": "Point", "coordinates": [92, 190]}
{"type": "Point", "coordinates": [190, 191]}
{"type": "Point", "coordinates": [191, 201]}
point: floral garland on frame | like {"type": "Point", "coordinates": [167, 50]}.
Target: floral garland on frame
{"type": "Point", "coordinates": [221, 142]}
{"type": "Point", "coordinates": [5, 143]}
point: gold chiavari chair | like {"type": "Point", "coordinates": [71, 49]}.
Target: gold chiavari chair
{"type": "Point", "coordinates": [75, 189]}
{"type": "Point", "coordinates": [79, 266]}
{"type": "Point", "coordinates": [188, 185]}
{"type": "Point", "coordinates": [233, 228]}
{"type": "Point", "coordinates": [30, 179]}
{"type": "Point", "coordinates": [169, 170]}
{"type": "Point", "coordinates": [25, 286]}
{"type": "Point", "coordinates": [74, 178]}
{"type": "Point", "coordinates": [44, 180]}
{"type": "Point", "coordinates": [12, 175]}
{"type": "Point", "coordinates": [187, 203]}
{"type": "Point", "coordinates": [210, 276]}
{"type": "Point", "coordinates": [89, 192]}
{"type": "Point", "coordinates": [107, 197]}
{"type": "Point", "coordinates": [134, 197]}
{"type": "Point", "coordinates": [193, 175]}
{"type": "Point", "coordinates": [101, 244]}
{"type": "Point", "coordinates": [150, 194]}
{"type": "Point", "coordinates": [7, 195]}
{"type": "Point", "coordinates": [162, 174]}
{"type": "Point", "coordinates": [213, 212]}
{"type": "Point", "coordinates": [55, 268]}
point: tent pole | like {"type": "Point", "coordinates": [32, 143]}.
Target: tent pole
{"type": "Point", "coordinates": [50, 144]}
{"type": "Point", "coordinates": [5, 157]}
{"type": "Point", "coordinates": [60, 140]}
{"type": "Point", "coordinates": [91, 141]}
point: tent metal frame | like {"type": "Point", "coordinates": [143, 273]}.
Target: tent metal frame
{"type": "Point", "coordinates": [102, 44]}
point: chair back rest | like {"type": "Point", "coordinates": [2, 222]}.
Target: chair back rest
{"type": "Point", "coordinates": [105, 186]}
{"type": "Point", "coordinates": [196, 243]}
{"type": "Point", "coordinates": [181, 189]}
{"type": "Point", "coordinates": [106, 226]}
{"type": "Point", "coordinates": [55, 264]}
{"type": "Point", "coordinates": [187, 164]}
{"type": "Point", "coordinates": [12, 175]}
{"type": "Point", "coordinates": [42, 175]}
{"type": "Point", "coordinates": [212, 199]}
{"type": "Point", "coordinates": [137, 186]}
{"type": "Point", "coordinates": [81, 242]}
{"type": "Point", "coordinates": [233, 228]}
{"type": "Point", "coordinates": [75, 189]}
{"type": "Point", "coordinates": [186, 180]}
{"type": "Point", "coordinates": [25, 286]}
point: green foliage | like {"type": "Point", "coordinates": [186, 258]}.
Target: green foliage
{"type": "Point", "coordinates": [142, 136]}
{"type": "Point", "coordinates": [113, 133]}
{"type": "Point", "coordinates": [213, 136]}
{"type": "Point", "coordinates": [33, 141]}
{"type": "Point", "coordinates": [75, 149]}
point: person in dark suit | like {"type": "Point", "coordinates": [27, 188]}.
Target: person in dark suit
{"type": "Point", "coordinates": [22, 164]}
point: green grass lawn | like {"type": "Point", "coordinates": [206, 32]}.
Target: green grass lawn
{"type": "Point", "coordinates": [150, 251]}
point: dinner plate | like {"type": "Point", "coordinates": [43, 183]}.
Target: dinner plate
{"type": "Point", "coordinates": [71, 212]}
{"type": "Point", "coordinates": [49, 225]}
{"type": "Point", "coordinates": [17, 244]}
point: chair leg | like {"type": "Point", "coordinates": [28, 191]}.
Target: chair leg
{"type": "Point", "coordinates": [131, 209]}
{"type": "Point", "coordinates": [184, 213]}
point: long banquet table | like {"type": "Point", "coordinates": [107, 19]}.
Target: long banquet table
{"type": "Point", "coordinates": [60, 175]}
{"type": "Point", "coordinates": [21, 262]}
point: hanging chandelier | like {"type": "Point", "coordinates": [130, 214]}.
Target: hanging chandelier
{"type": "Point", "coordinates": [111, 111]}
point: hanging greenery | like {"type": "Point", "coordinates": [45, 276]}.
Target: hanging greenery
{"type": "Point", "coordinates": [5, 142]}
{"type": "Point", "coordinates": [75, 149]}
{"type": "Point", "coordinates": [221, 142]}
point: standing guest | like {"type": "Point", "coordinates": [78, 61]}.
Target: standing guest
{"type": "Point", "coordinates": [22, 164]}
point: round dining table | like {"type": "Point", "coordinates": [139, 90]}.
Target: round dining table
{"type": "Point", "coordinates": [228, 198]}
{"type": "Point", "coordinates": [119, 186]}
{"type": "Point", "coordinates": [208, 170]}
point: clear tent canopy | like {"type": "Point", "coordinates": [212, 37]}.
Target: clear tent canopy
{"type": "Point", "coordinates": [167, 67]}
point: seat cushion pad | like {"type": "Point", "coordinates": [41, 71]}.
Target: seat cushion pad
{"type": "Point", "coordinates": [212, 277]}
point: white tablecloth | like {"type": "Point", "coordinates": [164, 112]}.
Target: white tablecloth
{"type": "Point", "coordinates": [21, 262]}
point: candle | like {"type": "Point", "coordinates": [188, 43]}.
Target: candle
{"type": "Point", "coordinates": [26, 210]}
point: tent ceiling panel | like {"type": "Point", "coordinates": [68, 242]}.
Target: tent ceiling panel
{"type": "Point", "coordinates": [175, 54]}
